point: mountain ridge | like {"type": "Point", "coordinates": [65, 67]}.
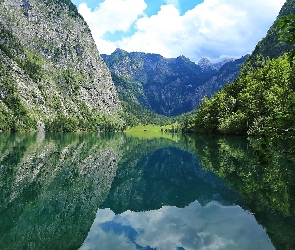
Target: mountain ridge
{"type": "Point", "coordinates": [165, 85]}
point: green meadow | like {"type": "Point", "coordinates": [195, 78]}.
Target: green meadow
{"type": "Point", "coordinates": [151, 131]}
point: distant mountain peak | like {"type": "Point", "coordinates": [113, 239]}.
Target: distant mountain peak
{"type": "Point", "coordinates": [184, 59]}
{"type": "Point", "coordinates": [118, 51]}
{"type": "Point", "coordinates": [204, 60]}
{"type": "Point", "coordinates": [206, 64]}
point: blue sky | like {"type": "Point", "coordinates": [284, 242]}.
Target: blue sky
{"type": "Point", "coordinates": [153, 6]}
{"type": "Point", "coordinates": [194, 28]}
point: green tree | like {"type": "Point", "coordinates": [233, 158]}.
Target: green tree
{"type": "Point", "coordinates": [287, 31]}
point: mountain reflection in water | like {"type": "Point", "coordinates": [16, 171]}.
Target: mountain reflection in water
{"type": "Point", "coordinates": [112, 191]}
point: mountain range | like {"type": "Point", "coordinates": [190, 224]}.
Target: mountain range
{"type": "Point", "coordinates": [52, 76]}
{"type": "Point", "coordinates": [170, 86]}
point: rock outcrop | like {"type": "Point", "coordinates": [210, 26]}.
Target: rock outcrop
{"type": "Point", "coordinates": [50, 63]}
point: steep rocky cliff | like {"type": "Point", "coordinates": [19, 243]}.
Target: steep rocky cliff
{"type": "Point", "coordinates": [171, 86]}
{"type": "Point", "coordinates": [50, 66]}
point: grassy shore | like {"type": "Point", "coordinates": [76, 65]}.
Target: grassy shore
{"type": "Point", "coordinates": [151, 131]}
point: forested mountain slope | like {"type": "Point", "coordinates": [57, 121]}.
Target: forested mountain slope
{"type": "Point", "coordinates": [170, 86]}
{"type": "Point", "coordinates": [134, 113]}
{"type": "Point", "coordinates": [261, 99]}
{"type": "Point", "coordinates": [50, 70]}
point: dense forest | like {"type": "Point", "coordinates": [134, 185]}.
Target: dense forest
{"type": "Point", "coordinates": [261, 98]}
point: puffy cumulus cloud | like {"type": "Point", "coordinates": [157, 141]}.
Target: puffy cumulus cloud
{"type": "Point", "coordinates": [157, 34]}
{"type": "Point", "coordinates": [111, 16]}
{"type": "Point", "coordinates": [194, 227]}
{"type": "Point", "coordinates": [214, 28]}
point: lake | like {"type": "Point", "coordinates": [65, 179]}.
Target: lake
{"type": "Point", "coordinates": [134, 191]}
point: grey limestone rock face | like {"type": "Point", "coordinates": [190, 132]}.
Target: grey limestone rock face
{"type": "Point", "coordinates": [53, 60]}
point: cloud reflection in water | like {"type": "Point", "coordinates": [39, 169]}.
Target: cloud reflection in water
{"type": "Point", "coordinates": [194, 227]}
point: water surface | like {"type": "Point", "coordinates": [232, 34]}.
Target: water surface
{"type": "Point", "coordinates": [113, 191]}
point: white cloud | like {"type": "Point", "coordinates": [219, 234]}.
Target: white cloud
{"type": "Point", "coordinates": [213, 29]}
{"type": "Point", "coordinates": [111, 16]}
{"type": "Point", "coordinates": [155, 33]}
